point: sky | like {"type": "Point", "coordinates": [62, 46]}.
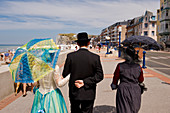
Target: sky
{"type": "Point", "coordinates": [23, 20]}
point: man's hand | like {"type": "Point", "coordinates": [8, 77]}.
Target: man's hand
{"type": "Point", "coordinates": [79, 83]}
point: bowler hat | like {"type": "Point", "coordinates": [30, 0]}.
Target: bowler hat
{"type": "Point", "coordinates": [83, 36]}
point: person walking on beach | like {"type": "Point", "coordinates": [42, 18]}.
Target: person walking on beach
{"type": "Point", "coordinates": [128, 97]}
{"type": "Point", "coordinates": [2, 56]}
{"type": "Point", "coordinates": [10, 55]}
{"type": "Point", "coordinates": [7, 56]}
{"type": "Point", "coordinates": [85, 72]}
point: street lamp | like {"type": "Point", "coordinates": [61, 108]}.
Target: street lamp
{"type": "Point", "coordinates": [107, 42]}
{"type": "Point", "coordinates": [120, 30]}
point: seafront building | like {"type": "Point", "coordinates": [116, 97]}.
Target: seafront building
{"type": "Point", "coordinates": [142, 26]}
{"type": "Point", "coordinates": [113, 33]}
{"type": "Point", "coordinates": [164, 21]}
{"type": "Point", "coordinates": [159, 12]}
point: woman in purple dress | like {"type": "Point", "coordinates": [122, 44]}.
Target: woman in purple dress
{"type": "Point", "coordinates": [128, 97]}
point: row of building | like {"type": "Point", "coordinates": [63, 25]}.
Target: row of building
{"type": "Point", "coordinates": [156, 27]}
{"type": "Point", "coordinates": [163, 21]}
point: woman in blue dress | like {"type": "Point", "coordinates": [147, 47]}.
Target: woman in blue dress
{"type": "Point", "coordinates": [48, 97]}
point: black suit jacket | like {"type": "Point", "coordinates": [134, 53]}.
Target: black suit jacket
{"type": "Point", "coordinates": [83, 65]}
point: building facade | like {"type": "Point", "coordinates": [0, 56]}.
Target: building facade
{"type": "Point", "coordinates": [113, 32]}
{"type": "Point", "coordinates": [159, 12]}
{"type": "Point", "coordinates": [142, 26]}
{"type": "Point", "coordinates": [165, 21]}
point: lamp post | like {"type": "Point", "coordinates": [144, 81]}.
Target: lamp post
{"type": "Point", "coordinates": [107, 42]}
{"type": "Point", "coordinates": [120, 29]}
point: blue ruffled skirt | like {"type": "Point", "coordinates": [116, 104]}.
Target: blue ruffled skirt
{"type": "Point", "coordinates": [51, 102]}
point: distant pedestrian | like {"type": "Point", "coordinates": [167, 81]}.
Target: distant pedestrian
{"type": "Point", "coordinates": [90, 46]}
{"type": "Point", "coordinates": [99, 45]}
{"type": "Point", "coordinates": [97, 48]}
{"type": "Point", "coordinates": [128, 97]}
{"type": "Point", "coordinates": [24, 86]}
{"type": "Point", "coordinates": [2, 56]}
{"type": "Point", "coordinates": [6, 56]}
{"type": "Point", "coordinates": [76, 48]}
{"type": "Point", "coordinates": [10, 55]}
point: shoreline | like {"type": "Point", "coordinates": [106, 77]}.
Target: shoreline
{"type": "Point", "coordinates": [6, 48]}
{"type": "Point", "coordinates": [11, 44]}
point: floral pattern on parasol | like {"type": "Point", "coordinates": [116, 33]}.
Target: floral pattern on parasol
{"type": "Point", "coordinates": [34, 60]}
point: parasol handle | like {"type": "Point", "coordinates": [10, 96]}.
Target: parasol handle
{"type": "Point", "coordinates": [55, 59]}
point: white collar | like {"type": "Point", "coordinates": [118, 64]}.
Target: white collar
{"type": "Point", "coordinates": [84, 47]}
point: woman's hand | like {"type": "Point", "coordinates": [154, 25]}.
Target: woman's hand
{"type": "Point", "coordinates": [113, 86]}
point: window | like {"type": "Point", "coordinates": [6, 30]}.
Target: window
{"type": "Point", "coordinates": [153, 24]}
{"type": "Point", "coordinates": [153, 33]}
{"type": "Point", "coordinates": [153, 17]}
{"type": "Point", "coordinates": [146, 25]}
{"type": "Point", "coordinates": [146, 19]}
{"type": "Point", "coordinates": [166, 26]}
{"type": "Point", "coordinates": [145, 33]}
{"type": "Point", "coordinates": [166, 12]}
{"type": "Point", "coordinates": [162, 6]}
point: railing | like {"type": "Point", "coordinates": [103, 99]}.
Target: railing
{"type": "Point", "coordinates": [164, 31]}
{"type": "Point", "coordinates": [167, 4]}
{"type": "Point", "coordinates": [164, 17]}
{"type": "Point", "coordinates": [130, 30]}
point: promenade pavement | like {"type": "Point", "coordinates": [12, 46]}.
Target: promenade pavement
{"type": "Point", "coordinates": [155, 100]}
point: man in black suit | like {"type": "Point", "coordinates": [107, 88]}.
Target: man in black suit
{"type": "Point", "coordinates": [85, 72]}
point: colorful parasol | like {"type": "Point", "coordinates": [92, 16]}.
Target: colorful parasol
{"type": "Point", "coordinates": [34, 60]}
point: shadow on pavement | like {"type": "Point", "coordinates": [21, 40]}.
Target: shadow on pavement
{"type": "Point", "coordinates": [104, 109]}
{"type": "Point", "coordinates": [165, 83]}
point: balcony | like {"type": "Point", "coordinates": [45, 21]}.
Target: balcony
{"type": "Point", "coordinates": [166, 4]}
{"type": "Point", "coordinates": [130, 30]}
{"type": "Point", "coordinates": [165, 16]}
{"type": "Point", "coordinates": [164, 32]}
{"type": "Point", "coordinates": [105, 33]}
{"type": "Point", "coordinates": [113, 30]}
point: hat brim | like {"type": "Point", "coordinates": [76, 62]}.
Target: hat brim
{"type": "Point", "coordinates": [82, 40]}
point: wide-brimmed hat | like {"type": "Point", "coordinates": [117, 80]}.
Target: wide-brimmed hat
{"type": "Point", "coordinates": [83, 36]}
